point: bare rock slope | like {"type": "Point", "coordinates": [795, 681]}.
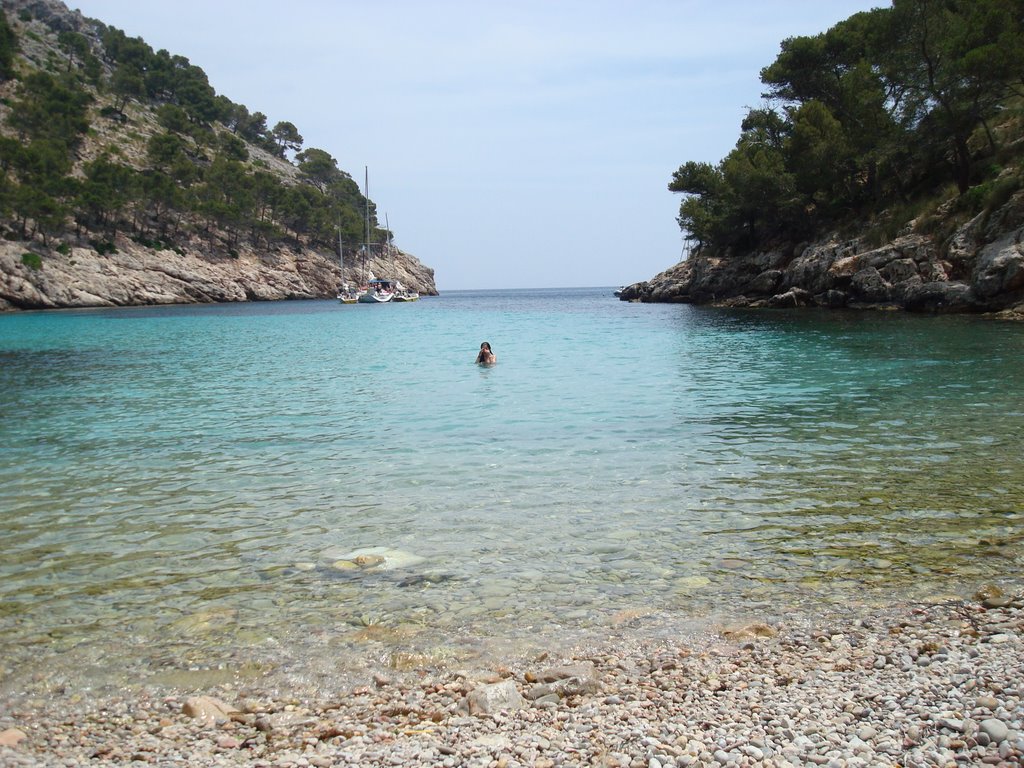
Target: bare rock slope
{"type": "Point", "coordinates": [135, 275]}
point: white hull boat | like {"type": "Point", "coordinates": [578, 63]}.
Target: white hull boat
{"type": "Point", "coordinates": [378, 292]}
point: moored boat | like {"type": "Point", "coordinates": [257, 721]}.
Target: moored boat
{"type": "Point", "coordinates": [404, 294]}
{"type": "Point", "coordinates": [346, 293]}
{"type": "Point", "coordinates": [379, 291]}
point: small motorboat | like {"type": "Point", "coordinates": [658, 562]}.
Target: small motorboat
{"type": "Point", "coordinates": [379, 291]}
{"type": "Point", "coordinates": [404, 294]}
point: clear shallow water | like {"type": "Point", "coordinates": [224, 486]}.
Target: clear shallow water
{"type": "Point", "coordinates": [177, 483]}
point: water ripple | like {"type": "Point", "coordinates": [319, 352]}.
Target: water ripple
{"type": "Point", "coordinates": [180, 475]}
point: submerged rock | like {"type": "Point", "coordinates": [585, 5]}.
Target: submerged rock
{"type": "Point", "coordinates": [372, 559]}
{"type": "Point", "coordinates": [691, 583]}
{"type": "Point", "coordinates": [208, 709]}
{"type": "Point", "coordinates": [427, 579]}
{"type": "Point", "coordinates": [748, 631]}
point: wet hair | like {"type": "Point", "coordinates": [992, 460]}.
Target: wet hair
{"type": "Point", "coordinates": [485, 344]}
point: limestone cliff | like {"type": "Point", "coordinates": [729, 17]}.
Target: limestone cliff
{"type": "Point", "coordinates": [135, 275]}
{"type": "Point", "coordinates": [980, 268]}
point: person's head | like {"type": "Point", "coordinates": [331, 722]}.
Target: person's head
{"type": "Point", "coordinates": [485, 345]}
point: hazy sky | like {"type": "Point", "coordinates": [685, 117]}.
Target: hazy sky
{"type": "Point", "coordinates": [511, 144]}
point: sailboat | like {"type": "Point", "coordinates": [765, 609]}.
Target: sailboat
{"type": "Point", "coordinates": [405, 294]}
{"type": "Point", "coordinates": [402, 293]}
{"type": "Point", "coordinates": [378, 291]}
{"type": "Point", "coordinates": [346, 294]}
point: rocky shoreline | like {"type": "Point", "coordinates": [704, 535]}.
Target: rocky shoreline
{"type": "Point", "coordinates": [137, 275]}
{"type": "Point", "coordinates": [937, 684]}
{"type": "Point", "coordinates": [979, 269]}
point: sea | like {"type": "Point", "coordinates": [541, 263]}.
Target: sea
{"type": "Point", "coordinates": [300, 492]}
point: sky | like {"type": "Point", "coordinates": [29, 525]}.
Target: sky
{"type": "Point", "coordinates": [520, 144]}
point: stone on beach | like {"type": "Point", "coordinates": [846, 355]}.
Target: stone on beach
{"type": "Point", "coordinates": [208, 709]}
{"type": "Point", "coordinates": [496, 697]}
{"type": "Point", "coordinates": [997, 730]}
{"type": "Point", "coordinates": [11, 736]}
{"type": "Point", "coordinates": [564, 681]}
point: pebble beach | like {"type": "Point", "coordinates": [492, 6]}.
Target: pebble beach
{"type": "Point", "coordinates": [923, 684]}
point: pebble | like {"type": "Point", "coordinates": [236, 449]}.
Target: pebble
{"type": "Point", "coordinates": [995, 729]}
{"type": "Point", "coordinates": [987, 702]}
{"type": "Point", "coordinates": [11, 736]}
{"type": "Point", "coordinates": [752, 752]}
{"type": "Point", "coordinates": [843, 690]}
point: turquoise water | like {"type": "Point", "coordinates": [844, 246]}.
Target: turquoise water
{"type": "Point", "coordinates": [187, 488]}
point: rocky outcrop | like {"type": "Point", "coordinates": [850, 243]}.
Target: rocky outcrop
{"type": "Point", "coordinates": [36, 278]}
{"type": "Point", "coordinates": [979, 269]}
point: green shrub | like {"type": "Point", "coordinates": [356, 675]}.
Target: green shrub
{"type": "Point", "coordinates": [937, 217]}
{"type": "Point", "coordinates": [1002, 190]}
{"type": "Point", "coordinates": [154, 243]}
{"type": "Point", "coordinates": [113, 114]}
{"type": "Point", "coordinates": [888, 225]}
{"type": "Point", "coordinates": [974, 200]}
{"type": "Point", "coordinates": [63, 249]}
{"type": "Point", "coordinates": [32, 260]}
{"type": "Point", "coordinates": [988, 196]}
{"type": "Point", "coordinates": [103, 247]}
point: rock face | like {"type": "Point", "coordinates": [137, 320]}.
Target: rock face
{"type": "Point", "coordinates": [135, 275]}
{"type": "Point", "coordinates": [979, 269]}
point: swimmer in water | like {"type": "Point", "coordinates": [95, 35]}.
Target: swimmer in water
{"type": "Point", "coordinates": [486, 356]}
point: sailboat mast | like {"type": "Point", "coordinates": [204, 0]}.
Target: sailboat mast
{"type": "Point", "coordinates": [366, 188]}
{"type": "Point", "coordinates": [391, 251]}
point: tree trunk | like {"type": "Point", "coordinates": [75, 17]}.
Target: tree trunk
{"type": "Point", "coordinates": [962, 164]}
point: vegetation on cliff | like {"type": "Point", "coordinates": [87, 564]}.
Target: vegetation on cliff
{"type": "Point", "coordinates": [101, 135]}
{"type": "Point", "coordinates": [879, 121]}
